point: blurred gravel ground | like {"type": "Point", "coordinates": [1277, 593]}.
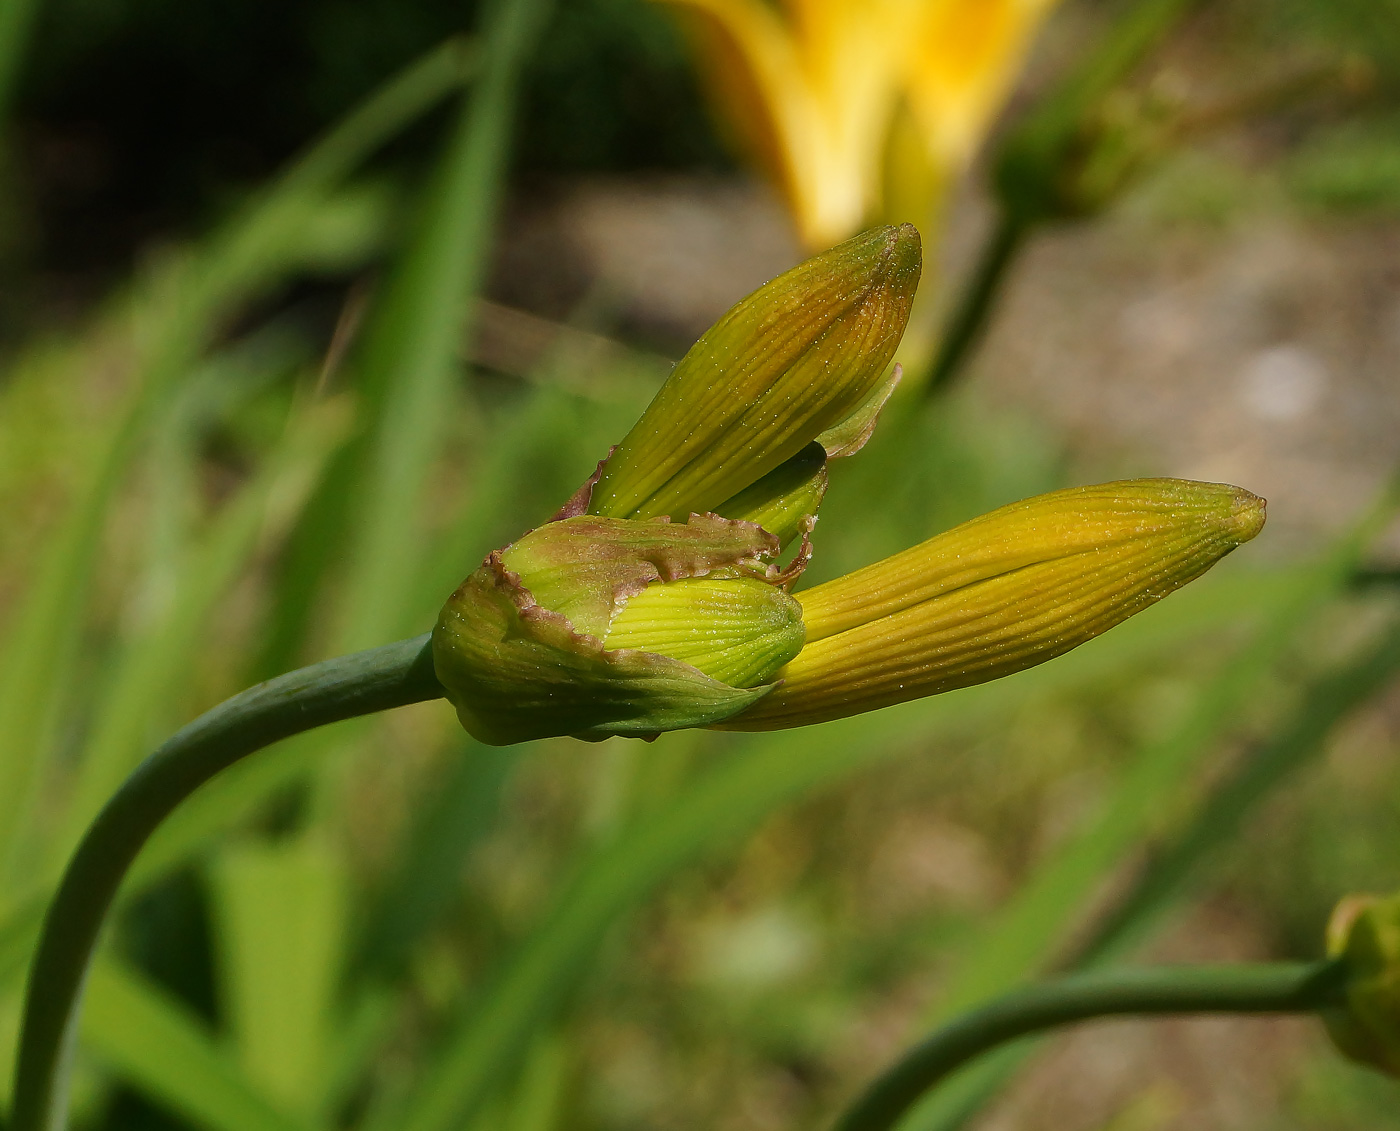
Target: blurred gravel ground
{"type": "Point", "coordinates": [1261, 348]}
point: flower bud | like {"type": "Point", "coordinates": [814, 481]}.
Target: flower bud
{"type": "Point", "coordinates": [593, 626]}
{"type": "Point", "coordinates": [1003, 592]}
{"type": "Point", "coordinates": [785, 501]}
{"type": "Point", "coordinates": [1365, 933]}
{"type": "Point", "coordinates": [797, 357]}
{"type": "Point", "coordinates": [738, 630]}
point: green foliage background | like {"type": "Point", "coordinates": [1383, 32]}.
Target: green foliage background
{"type": "Point", "coordinates": [387, 926]}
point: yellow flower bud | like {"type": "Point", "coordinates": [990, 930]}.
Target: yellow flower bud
{"type": "Point", "coordinates": [1003, 592]}
{"type": "Point", "coordinates": [1365, 933]}
{"type": "Point", "coordinates": [614, 619]}
{"type": "Point", "coordinates": [797, 357]}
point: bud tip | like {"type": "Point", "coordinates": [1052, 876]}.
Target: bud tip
{"type": "Point", "coordinates": [1247, 514]}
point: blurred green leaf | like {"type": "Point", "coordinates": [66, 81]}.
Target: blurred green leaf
{"type": "Point", "coordinates": [151, 671]}
{"type": "Point", "coordinates": [281, 910]}
{"type": "Point", "coordinates": [1298, 738]}
{"type": "Point", "coordinates": [16, 23]}
{"type": "Point", "coordinates": [151, 1040]}
{"type": "Point", "coordinates": [1351, 169]}
{"type": "Point", "coordinates": [716, 808]}
{"type": "Point", "coordinates": [449, 822]}
{"type": "Point", "coordinates": [409, 358]}
{"type": "Point", "coordinates": [175, 314]}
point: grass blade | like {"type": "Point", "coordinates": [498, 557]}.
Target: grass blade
{"type": "Point", "coordinates": [428, 878]}
{"type": "Point", "coordinates": [281, 915]}
{"type": "Point", "coordinates": [16, 26]}
{"type": "Point", "coordinates": [151, 1040]}
{"type": "Point", "coordinates": [176, 317]}
{"type": "Point", "coordinates": [411, 347]}
{"type": "Point", "coordinates": [154, 669]}
{"type": "Point", "coordinates": [1300, 738]}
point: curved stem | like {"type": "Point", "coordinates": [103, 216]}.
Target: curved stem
{"type": "Point", "coordinates": [360, 684]}
{"type": "Point", "coordinates": [1274, 988]}
{"type": "Point", "coordinates": [969, 321]}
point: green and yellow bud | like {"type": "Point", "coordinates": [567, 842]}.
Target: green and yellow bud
{"type": "Point", "coordinates": [1001, 593]}
{"type": "Point", "coordinates": [612, 619]}
{"type": "Point", "coordinates": [1365, 934]}
{"type": "Point", "coordinates": [738, 630]}
{"type": "Point", "coordinates": [785, 501]}
{"type": "Point", "coordinates": [593, 626]}
{"type": "Point", "coordinates": [795, 359]}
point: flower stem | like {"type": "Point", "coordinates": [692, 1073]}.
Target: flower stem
{"type": "Point", "coordinates": [360, 684]}
{"type": "Point", "coordinates": [1273, 988]}
{"type": "Point", "coordinates": [969, 321]}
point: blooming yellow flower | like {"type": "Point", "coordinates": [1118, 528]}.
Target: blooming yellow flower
{"type": "Point", "coordinates": [655, 599]}
{"type": "Point", "coordinates": [814, 88]}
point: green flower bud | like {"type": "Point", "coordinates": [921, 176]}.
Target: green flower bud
{"type": "Point", "coordinates": [594, 626]}
{"type": "Point", "coordinates": [613, 619]}
{"type": "Point", "coordinates": [1365, 932]}
{"type": "Point", "coordinates": [738, 630]}
{"type": "Point", "coordinates": [785, 501]}
{"type": "Point", "coordinates": [797, 357]}
{"type": "Point", "coordinates": [1003, 592]}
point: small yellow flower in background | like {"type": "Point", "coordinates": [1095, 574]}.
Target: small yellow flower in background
{"type": "Point", "coordinates": [655, 599]}
{"type": "Point", "coordinates": [962, 65]}
{"type": "Point", "coordinates": [1365, 932]}
{"type": "Point", "coordinates": [838, 101]}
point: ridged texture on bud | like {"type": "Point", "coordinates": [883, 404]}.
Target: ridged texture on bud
{"type": "Point", "coordinates": [1003, 592]}
{"type": "Point", "coordinates": [785, 501]}
{"type": "Point", "coordinates": [794, 359]}
{"type": "Point", "coordinates": [594, 626]}
{"type": "Point", "coordinates": [1365, 932]}
{"type": "Point", "coordinates": [738, 630]}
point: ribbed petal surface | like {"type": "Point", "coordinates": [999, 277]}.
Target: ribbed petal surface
{"type": "Point", "coordinates": [796, 357]}
{"type": "Point", "coordinates": [785, 501]}
{"type": "Point", "coordinates": [738, 630]}
{"type": "Point", "coordinates": [1004, 592]}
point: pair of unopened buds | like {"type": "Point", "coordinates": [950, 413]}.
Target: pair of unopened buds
{"type": "Point", "coordinates": [654, 600]}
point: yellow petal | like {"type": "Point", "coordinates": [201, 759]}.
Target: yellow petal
{"type": "Point", "coordinates": [962, 66]}
{"type": "Point", "coordinates": [810, 96]}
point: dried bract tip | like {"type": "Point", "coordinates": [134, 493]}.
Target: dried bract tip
{"type": "Point", "coordinates": [1365, 933]}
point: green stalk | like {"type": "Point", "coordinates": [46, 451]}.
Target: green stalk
{"type": "Point", "coordinates": [975, 306]}
{"type": "Point", "coordinates": [1286, 987]}
{"type": "Point", "coordinates": [375, 680]}
{"type": "Point", "coordinates": [16, 29]}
